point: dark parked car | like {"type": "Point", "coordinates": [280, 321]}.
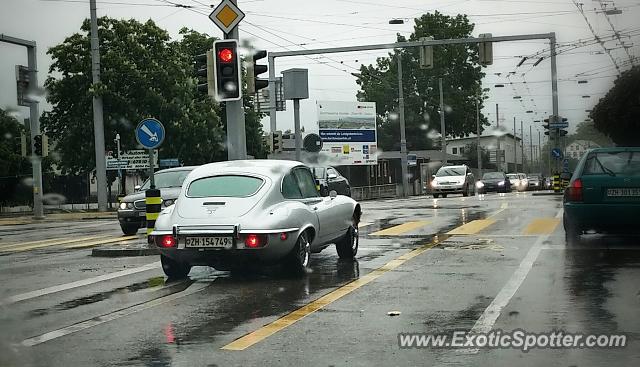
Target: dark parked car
{"type": "Point", "coordinates": [330, 179]}
{"type": "Point", "coordinates": [494, 181]}
{"type": "Point", "coordinates": [604, 193]}
{"type": "Point", "coordinates": [132, 209]}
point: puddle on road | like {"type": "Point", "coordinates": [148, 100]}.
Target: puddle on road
{"type": "Point", "coordinates": [154, 282]}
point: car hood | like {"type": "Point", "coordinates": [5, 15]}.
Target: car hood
{"type": "Point", "coordinates": [168, 193]}
{"type": "Point", "coordinates": [215, 207]}
{"type": "Point", "coordinates": [441, 179]}
{"type": "Point", "coordinates": [492, 180]}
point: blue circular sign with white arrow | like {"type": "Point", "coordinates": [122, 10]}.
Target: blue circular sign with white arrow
{"type": "Point", "coordinates": [150, 133]}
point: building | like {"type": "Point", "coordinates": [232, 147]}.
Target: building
{"type": "Point", "coordinates": [576, 149]}
{"type": "Point", "coordinates": [510, 148]}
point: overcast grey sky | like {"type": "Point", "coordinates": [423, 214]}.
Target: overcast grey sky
{"type": "Point", "coordinates": [285, 24]}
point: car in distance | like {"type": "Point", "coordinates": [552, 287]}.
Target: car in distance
{"type": "Point", "coordinates": [132, 208]}
{"type": "Point", "coordinates": [234, 214]}
{"type": "Point", "coordinates": [329, 179]}
{"type": "Point", "coordinates": [453, 180]}
{"type": "Point", "coordinates": [535, 181]}
{"type": "Point", "coordinates": [518, 181]}
{"type": "Point", "coordinates": [603, 193]}
{"type": "Point", "coordinates": [494, 181]}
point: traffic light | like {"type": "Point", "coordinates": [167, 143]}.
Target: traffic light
{"type": "Point", "coordinates": [254, 84]}
{"type": "Point", "coordinates": [563, 132]}
{"type": "Point", "coordinates": [37, 145]}
{"type": "Point", "coordinates": [23, 84]}
{"type": "Point", "coordinates": [277, 141]}
{"type": "Point", "coordinates": [205, 73]}
{"type": "Point", "coordinates": [228, 85]}
{"type": "Point", "coordinates": [426, 54]}
{"type": "Point", "coordinates": [485, 50]}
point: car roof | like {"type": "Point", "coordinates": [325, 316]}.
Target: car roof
{"type": "Point", "coordinates": [615, 149]}
{"type": "Point", "coordinates": [264, 167]}
{"type": "Point", "coordinates": [183, 168]}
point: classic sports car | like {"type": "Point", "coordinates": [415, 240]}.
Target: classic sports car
{"type": "Point", "coordinates": [236, 213]}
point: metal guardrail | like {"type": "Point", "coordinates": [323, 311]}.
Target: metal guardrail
{"type": "Point", "coordinates": [374, 192]}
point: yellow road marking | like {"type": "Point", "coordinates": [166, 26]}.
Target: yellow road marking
{"type": "Point", "coordinates": [399, 229]}
{"type": "Point", "coordinates": [102, 242]}
{"type": "Point", "coordinates": [18, 247]}
{"type": "Point", "coordinates": [472, 227]}
{"type": "Point", "coordinates": [542, 226]}
{"type": "Point", "coordinates": [264, 332]}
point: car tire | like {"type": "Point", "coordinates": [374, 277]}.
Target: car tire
{"type": "Point", "coordinates": [572, 230]}
{"type": "Point", "coordinates": [347, 246]}
{"type": "Point", "coordinates": [444, 196]}
{"type": "Point", "coordinates": [299, 258]}
{"type": "Point", "coordinates": [174, 269]}
{"type": "Point", "coordinates": [465, 191]}
{"type": "Point", "coordinates": [129, 229]}
{"type": "Point", "coordinates": [435, 196]}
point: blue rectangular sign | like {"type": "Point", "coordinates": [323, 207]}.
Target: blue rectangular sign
{"type": "Point", "coordinates": [367, 136]}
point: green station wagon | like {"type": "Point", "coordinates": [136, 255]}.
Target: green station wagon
{"type": "Point", "coordinates": [604, 193]}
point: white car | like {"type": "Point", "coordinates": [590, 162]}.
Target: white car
{"type": "Point", "coordinates": [238, 213]}
{"type": "Point", "coordinates": [453, 180]}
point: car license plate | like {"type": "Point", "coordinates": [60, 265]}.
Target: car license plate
{"type": "Point", "coordinates": [209, 242]}
{"type": "Point", "coordinates": [142, 214]}
{"type": "Point", "coordinates": [623, 192]}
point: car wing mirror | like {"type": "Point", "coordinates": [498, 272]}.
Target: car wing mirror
{"type": "Point", "coordinates": [332, 176]}
{"type": "Point", "coordinates": [333, 194]}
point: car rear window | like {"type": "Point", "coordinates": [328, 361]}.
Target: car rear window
{"type": "Point", "coordinates": [227, 186]}
{"type": "Point", "coordinates": [613, 163]}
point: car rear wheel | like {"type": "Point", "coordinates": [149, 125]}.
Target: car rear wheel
{"type": "Point", "coordinates": [347, 247]}
{"type": "Point", "coordinates": [435, 196]}
{"type": "Point", "coordinates": [299, 258]}
{"type": "Point", "coordinates": [571, 229]}
{"type": "Point", "coordinates": [444, 196]}
{"type": "Point", "coordinates": [465, 191]}
{"type": "Point", "coordinates": [174, 269]}
{"type": "Point", "coordinates": [129, 229]}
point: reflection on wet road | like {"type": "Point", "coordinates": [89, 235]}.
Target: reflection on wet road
{"type": "Point", "coordinates": [476, 263]}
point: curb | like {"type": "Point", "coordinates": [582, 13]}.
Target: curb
{"type": "Point", "coordinates": [547, 194]}
{"type": "Point", "coordinates": [123, 252]}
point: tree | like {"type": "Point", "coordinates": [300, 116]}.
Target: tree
{"type": "Point", "coordinates": [471, 153]}
{"type": "Point", "coordinates": [12, 164]}
{"type": "Point", "coordinates": [617, 114]}
{"type": "Point", "coordinates": [462, 75]}
{"type": "Point", "coordinates": [143, 74]}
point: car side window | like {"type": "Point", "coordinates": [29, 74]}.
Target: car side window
{"type": "Point", "coordinates": [332, 171]}
{"type": "Point", "coordinates": [290, 189]}
{"type": "Point", "coordinates": [306, 182]}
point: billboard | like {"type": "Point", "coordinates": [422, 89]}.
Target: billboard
{"type": "Point", "coordinates": [348, 132]}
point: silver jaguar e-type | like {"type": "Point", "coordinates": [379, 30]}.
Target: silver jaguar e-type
{"type": "Point", "coordinates": [238, 213]}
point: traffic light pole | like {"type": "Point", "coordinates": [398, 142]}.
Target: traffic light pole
{"type": "Point", "coordinates": [236, 134]}
{"type": "Point", "coordinates": [403, 138]}
{"type": "Point", "coordinates": [554, 90]}
{"type": "Point", "coordinates": [34, 122]}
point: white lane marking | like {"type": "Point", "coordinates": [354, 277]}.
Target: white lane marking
{"type": "Point", "coordinates": [76, 284]}
{"type": "Point", "coordinates": [492, 312]}
{"type": "Point", "coordinates": [112, 316]}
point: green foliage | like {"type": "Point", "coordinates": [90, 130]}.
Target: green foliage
{"type": "Point", "coordinates": [456, 64]}
{"type": "Point", "coordinates": [471, 153]}
{"type": "Point", "coordinates": [143, 74]}
{"type": "Point", "coordinates": [11, 161]}
{"type": "Point", "coordinates": [617, 114]}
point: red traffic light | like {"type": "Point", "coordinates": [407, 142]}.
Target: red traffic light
{"type": "Point", "coordinates": [225, 55]}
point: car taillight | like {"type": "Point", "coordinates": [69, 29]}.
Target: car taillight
{"type": "Point", "coordinates": [574, 192]}
{"type": "Point", "coordinates": [255, 240]}
{"type": "Point", "coordinates": [167, 241]}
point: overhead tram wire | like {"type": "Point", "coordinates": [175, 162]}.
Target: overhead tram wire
{"type": "Point", "coordinates": [604, 7]}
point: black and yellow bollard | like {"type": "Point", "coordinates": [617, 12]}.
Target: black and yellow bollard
{"type": "Point", "coordinates": [153, 201]}
{"type": "Point", "coordinates": [556, 183]}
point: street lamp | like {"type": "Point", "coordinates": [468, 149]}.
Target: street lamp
{"type": "Point", "coordinates": [117, 140]}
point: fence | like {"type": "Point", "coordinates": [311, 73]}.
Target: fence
{"type": "Point", "coordinates": [373, 192]}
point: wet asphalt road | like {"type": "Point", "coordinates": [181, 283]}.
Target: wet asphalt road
{"type": "Point", "coordinates": [496, 262]}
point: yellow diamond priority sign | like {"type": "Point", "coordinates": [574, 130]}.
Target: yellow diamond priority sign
{"type": "Point", "coordinates": [226, 16]}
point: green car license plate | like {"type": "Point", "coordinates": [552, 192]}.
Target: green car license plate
{"type": "Point", "coordinates": [209, 242]}
{"type": "Point", "coordinates": [621, 192]}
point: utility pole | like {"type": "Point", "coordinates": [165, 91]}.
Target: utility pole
{"type": "Point", "coordinates": [403, 139]}
{"type": "Point", "coordinates": [236, 134]}
{"type": "Point", "coordinates": [554, 88]}
{"type": "Point", "coordinates": [539, 152]}
{"type": "Point", "coordinates": [98, 123]}
{"type": "Point", "coordinates": [442, 128]}
{"type": "Point", "coordinates": [515, 145]}
{"type": "Point", "coordinates": [478, 139]}
{"type": "Point", "coordinates": [117, 140]}
{"type": "Point", "coordinates": [530, 147]}
{"type": "Point", "coordinates": [522, 145]}
{"type": "Point", "coordinates": [34, 121]}
{"type": "Point", "coordinates": [498, 138]}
